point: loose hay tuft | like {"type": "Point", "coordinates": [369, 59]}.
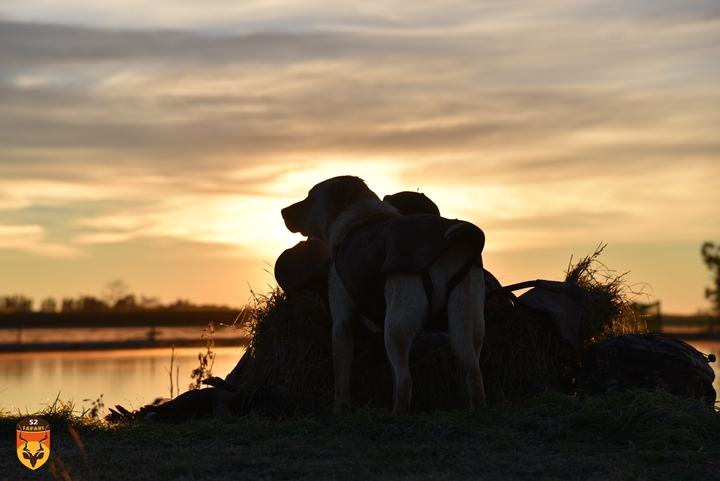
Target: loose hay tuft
{"type": "Point", "coordinates": [290, 354]}
{"type": "Point", "coordinates": [608, 300]}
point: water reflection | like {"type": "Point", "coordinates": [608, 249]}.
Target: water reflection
{"type": "Point", "coordinates": [130, 377]}
{"type": "Point", "coordinates": [710, 347]}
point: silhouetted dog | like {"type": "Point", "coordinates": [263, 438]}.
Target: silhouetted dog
{"type": "Point", "coordinates": [418, 263]}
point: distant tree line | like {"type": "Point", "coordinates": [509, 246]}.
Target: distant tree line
{"type": "Point", "coordinates": [115, 298]}
{"type": "Point", "coordinates": [131, 303]}
{"type": "Point", "coordinates": [711, 257]}
{"type": "Point", "coordinates": [19, 303]}
{"type": "Point", "coordinates": [15, 303]}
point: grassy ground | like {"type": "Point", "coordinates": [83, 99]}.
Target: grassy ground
{"type": "Point", "coordinates": [635, 435]}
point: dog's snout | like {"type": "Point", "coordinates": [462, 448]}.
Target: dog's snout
{"type": "Point", "coordinates": [287, 217]}
{"type": "Point", "coordinates": [292, 215]}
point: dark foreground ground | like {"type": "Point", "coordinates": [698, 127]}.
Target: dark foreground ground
{"type": "Point", "coordinates": [639, 435]}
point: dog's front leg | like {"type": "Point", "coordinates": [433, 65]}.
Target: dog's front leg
{"type": "Point", "coordinates": [342, 313]}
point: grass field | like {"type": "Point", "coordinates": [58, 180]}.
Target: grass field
{"type": "Point", "coordinates": [631, 435]}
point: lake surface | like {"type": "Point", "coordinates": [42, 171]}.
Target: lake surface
{"type": "Point", "coordinates": [711, 347]}
{"type": "Point", "coordinates": [29, 381]}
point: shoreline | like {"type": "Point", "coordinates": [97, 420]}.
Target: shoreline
{"type": "Point", "coordinates": [227, 342]}
{"type": "Point", "coordinates": [118, 345]}
{"type": "Point", "coordinates": [136, 318]}
{"type": "Point", "coordinates": [692, 336]}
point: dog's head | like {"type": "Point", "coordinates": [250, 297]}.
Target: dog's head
{"type": "Point", "coordinates": [314, 215]}
{"type": "Point", "coordinates": [408, 203]}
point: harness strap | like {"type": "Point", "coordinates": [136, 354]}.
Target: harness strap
{"type": "Point", "coordinates": [428, 286]}
{"type": "Point", "coordinates": [458, 277]}
{"type": "Point", "coordinates": [452, 282]}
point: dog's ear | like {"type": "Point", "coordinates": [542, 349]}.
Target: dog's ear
{"type": "Point", "coordinates": [338, 200]}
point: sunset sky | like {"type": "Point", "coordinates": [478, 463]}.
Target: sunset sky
{"type": "Point", "coordinates": [156, 142]}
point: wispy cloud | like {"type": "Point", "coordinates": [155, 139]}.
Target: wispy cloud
{"type": "Point", "coordinates": [31, 239]}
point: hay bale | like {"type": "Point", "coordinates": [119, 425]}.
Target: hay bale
{"type": "Point", "coordinates": [290, 354]}
{"type": "Point", "coordinates": [523, 353]}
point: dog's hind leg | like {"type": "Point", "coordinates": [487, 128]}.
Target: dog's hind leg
{"type": "Point", "coordinates": [342, 311]}
{"type": "Point", "coordinates": [466, 326]}
{"type": "Point", "coordinates": [406, 309]}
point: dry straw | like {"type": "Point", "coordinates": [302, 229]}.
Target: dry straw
{"type": "Point", "coordinates": [289, 364]}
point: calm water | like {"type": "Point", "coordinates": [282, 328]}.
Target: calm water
{"type": "Point", "coordinates": [711, 347]}
{"type": "Point", "coordinates": [131, 377]}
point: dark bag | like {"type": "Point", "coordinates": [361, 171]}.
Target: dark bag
{"type": "Point", "coordinates": [648, 361]}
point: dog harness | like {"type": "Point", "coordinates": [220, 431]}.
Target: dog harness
{"type": "Point", "coordinates": [409, 244]}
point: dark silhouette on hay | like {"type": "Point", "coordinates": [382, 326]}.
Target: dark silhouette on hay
{"type": "Point", "coordinates": [304, 267]}
{"type": "Point", "coordinates": [409, 203]}
{"type": "Point", "coordinates": [193, 404]}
